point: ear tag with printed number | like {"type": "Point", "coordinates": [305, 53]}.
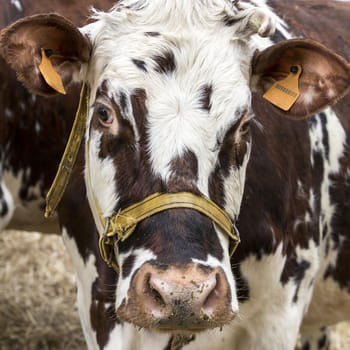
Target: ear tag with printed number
{"type": "Point", "coordinates": [49, 73]}
{"type": "Point", "coordinates": [285, 92]}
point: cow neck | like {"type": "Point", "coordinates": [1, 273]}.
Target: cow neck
{"type": "Point", "coordinates": [119, 227]}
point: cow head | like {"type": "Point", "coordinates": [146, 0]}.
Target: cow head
{"type": "Point", "coordinates": [170, 107]}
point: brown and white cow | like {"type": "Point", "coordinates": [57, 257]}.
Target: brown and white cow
{"type": "Point", "coordinates": [172, 90]}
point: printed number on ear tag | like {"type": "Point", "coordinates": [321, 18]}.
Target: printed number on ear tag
{"type": "Point", "coordinates": [49, 73]}
{"type": "Point", "coordinates": [285, 92]}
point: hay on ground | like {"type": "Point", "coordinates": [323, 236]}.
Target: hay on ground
{"type": "Point", "coordinates": [37, 294]}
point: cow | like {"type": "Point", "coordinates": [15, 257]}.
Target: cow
{"type": "Point", "coordinates": [199, 117]}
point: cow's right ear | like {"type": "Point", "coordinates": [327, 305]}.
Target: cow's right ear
{"type": "Point", "coordinates": [300, 77]}
{"type": "Point", "coordinates": [46, 51]}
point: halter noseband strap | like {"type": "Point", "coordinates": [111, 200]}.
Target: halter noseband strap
{"type": "Point", "coordinates": [120, 226]}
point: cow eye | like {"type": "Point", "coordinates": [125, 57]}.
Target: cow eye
{"type": "Point", "coordinates": [105, 116]}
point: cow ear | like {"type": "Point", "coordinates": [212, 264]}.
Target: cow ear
{"type": "Point", "coordinates": [300, 77]}
{"type": "Point", "coordinates": [47, 52]}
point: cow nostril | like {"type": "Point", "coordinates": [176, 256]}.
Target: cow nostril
{"type": "Point", "coordinates": [156, 296]}
{"type": "Point", "coordinates": [154, 292]}
{"type": "Point", "coordinates": [211, 301]}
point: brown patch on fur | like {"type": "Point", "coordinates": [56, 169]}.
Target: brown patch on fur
{"type": "Point", "coordinates": [76, 11]}
{"type": "Point", "coordinates": [102, 311]}
{"type": "Point", "coordinates": [232, 152]}
{"type": "Point", "coordinates": [140, 64]}
{"type": "Point", "coordinates": [321, 20]}
{"type": "Point", "coordinates": [205, 99]}
{"type": "Point", "coordinates": [339, 231]}
{"type": "Point", "coordinates": [165, 63]}
{"type": "Point", "coordinates": [128, 265]}
{"type": "Point", "coordinates": [273, 202]}
{"type": "Point", "coordinates": [134, 175]}
{"type": "Point", "coordinates": [184, 173]}
{"type": "Point", "coordinates": [138, 102]}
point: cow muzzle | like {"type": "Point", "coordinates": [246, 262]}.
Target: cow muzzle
{"type": "Point", "coordinates": [185, 300]}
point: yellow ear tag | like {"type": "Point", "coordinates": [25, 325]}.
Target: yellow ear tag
{"type": "Point", "coordinates": [50, 75]}
{"type": "Point", "coordinates": [285, 92]}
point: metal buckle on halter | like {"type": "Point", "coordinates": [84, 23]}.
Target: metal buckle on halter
{"type": "Point", "coordinates": [234, 242]}
{"type": "Point", "coordinates": [108, 246]}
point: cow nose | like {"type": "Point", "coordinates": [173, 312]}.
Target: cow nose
{"type": "Point", "coordinates": [199, 293]}
{"type": "Point", "coordinates": [191, 298]}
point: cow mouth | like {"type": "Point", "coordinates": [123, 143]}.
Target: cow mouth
{"type": "Point", "coordinates": [184, 321]}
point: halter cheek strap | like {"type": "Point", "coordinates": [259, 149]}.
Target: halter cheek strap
{"type": "Point", "coordinates": [69, 157]}
{"type": "Point", "coordinates": [121, 225]}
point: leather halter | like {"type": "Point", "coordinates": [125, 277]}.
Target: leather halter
{"type": "Point", "coordinates": [121, 225]}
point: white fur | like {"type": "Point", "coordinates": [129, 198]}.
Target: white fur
{"type": "Point", "coordinates": [86, 275]}
{"type": "Point", "coordinates": [7, 201]}
{"type": "Point", "coordinates": [127, 337]}
{"type": "Point", "coordinates": [234, 187]}
{"type": "Point", "coordinates": [175, 121]}
{"type": "Point", "coordinates": [26, 215]}
{"type": "Point", "coordinates": [322, 306]}
{"type": "Point", "coordinates": [210, 54]}
{"type": "Point", "coordinates": [270, 311]}
{"type": "Point", "coordinates": [100, 178]}
{"type": "Point", "coordinates": [17, 4]}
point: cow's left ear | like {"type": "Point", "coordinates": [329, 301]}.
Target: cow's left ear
{"type": "Point", "coordinates": [47, 52]}
{"type": "Point", "coordinates": [300, 77]}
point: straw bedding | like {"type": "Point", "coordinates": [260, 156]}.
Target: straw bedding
{"type": "Point", "coordinates": [37, 296]}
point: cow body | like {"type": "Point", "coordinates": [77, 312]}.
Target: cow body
{"type": "Point", "coordinates": [290, 270]}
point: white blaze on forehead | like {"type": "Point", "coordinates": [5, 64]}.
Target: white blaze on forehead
{"type": "Point", "coordinates": [177, 121]}
{"type": "Point", "coordinates": [205, 54]}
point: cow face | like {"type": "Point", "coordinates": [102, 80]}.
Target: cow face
{"type": "Point", "coordinates": [170, 93]}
